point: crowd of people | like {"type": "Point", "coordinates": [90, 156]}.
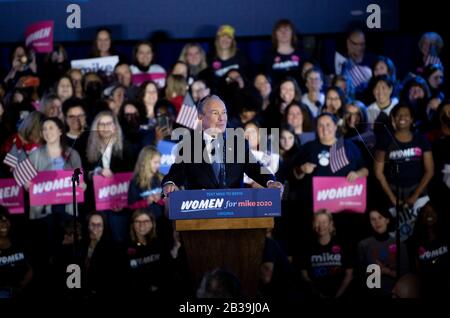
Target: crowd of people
{"type": "Point", "coordinates": [394, 132]}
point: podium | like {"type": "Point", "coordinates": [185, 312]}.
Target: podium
{"type": "Point", "coordinates": [225, 228]}
{"type": "Point", "coordinates": [234, 244]}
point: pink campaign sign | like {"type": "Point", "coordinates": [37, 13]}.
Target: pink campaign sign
{"type": "Point", "coordinates": [337, 194]}
{"type": "Point", "coordinates": [112, 193]}
{"type": "Point", "coordinates": [54, 187]}
{"type": "Point", "coordinates": [138, 79]}
{"type": "Point", "coordinates": [11, 196]}
{"type": "Point", "coordinates": [39, 36]}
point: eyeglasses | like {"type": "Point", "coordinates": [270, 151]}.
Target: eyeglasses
{"type": "Point", "coordinates": [107, 124]}
{"type": "Point", "coordinates": [72, 117]}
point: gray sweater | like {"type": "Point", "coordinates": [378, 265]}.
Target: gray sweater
{"type": "Point", "coordinates": [42, 162]}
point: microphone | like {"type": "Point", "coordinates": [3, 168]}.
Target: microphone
{"type": "Point", "coordinates": [76, 175]}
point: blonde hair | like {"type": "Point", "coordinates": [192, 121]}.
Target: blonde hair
{"type": "Point", "coordinates": [142, 172]}
{"type": "Point", "coordinates": [183, 56]}
{"type": "Point", "coordinates": [30, 128]}
{"type": "Point", "coordinates": [96, 146]}
{"type": "Point", "coordinates": [330, 219]}
{"type": "Point", "coordinates": [233, 47]}
{"type": "Point", "coordinates": [176, 86]}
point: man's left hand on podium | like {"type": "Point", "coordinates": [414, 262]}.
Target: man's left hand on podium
{"type": "Point", "coordinates": [276, 185]}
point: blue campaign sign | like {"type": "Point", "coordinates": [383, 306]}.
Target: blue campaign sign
{"type": "Point", "coordinates": [166, 148]}
{"type": "Point", "coordinates": [224, 203]}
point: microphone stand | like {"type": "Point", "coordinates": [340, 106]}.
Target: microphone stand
{"type": "Point", "coordinates": [397, 217]}
{"type": "Point", "coordinates": [75, 181]}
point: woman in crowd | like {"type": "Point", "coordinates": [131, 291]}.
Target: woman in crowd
{"type": "Point", "coordinates": [21, 144]}
{"type": "Point", "coordinates": [102, 44]}
{"type": "Point", "coordinates": [440, 186]}
{"type": "Point", "coordinates": [299, 118]}
{"type": "Point", "coordinates": [108, 153]}
{"type": "Point", "coordinates": [384, 66]}
{"type": "Point", "coordinates": [284, 59]}
{"type": "Point", "coordinates": [147, 255]}
{"type": "Point", "coordinates": [430, 46]}
{"type": "Point", "coordinates": [226, 54]}
{"type": "Point", "coordinates": [416, 94]}
{"type": "Point", "coordinates": [430, 250]}
{"type": "Point", "coordinates": [143, 68]}
{"type": "Point", "coordinates": [434, 75]}
{"type": "Point", "coordinates": [51, 106]}
{"type": "Point", "coordinates": [53, 155]}
{"type": "Point", "coordinates": [175, 90]}
{"type": "Point", "coordinates": [23, 62]}
{"type": "Point", "coordinates": [334, 103]}
{"type": "Point", "coordinates": [328, 155]}
{"type": "Point", "coordinates": [342, 82]}
{"type": "Point", "coordinates": [326, 264]}
{"type": "Point", "coordinates": [77, 81]}
{"type": "Point", "coordinates": [77, 134]}
{"type": "Point", "coordinates": [267, 159]}
{"type": "Point", "coordinates": [145, 187]}
{"type": "Point", "coordinates": [15, 271]}
{"type": "Point", "coordinates": [101, 260]}
{"type": "Point", "coordinates": [412, 152]}
{"type": "Point", "coordinates": [148, 96]}
{"type": "Point", "coordinates": [56, 64]}
{"type": "Point", "coordinates": [380, 249]}
{"type": "Point", "coordinates": [382, 89]}
{"type": "Point", "coordinates": [195, 58]}
{"type": "Point", "coordinates": [314, 99]}
{"type": "Point", "coordinates": [64, 88]}
{"type": "Point", "coordinates": [48, 220]}
{"type": "Point", "coordinates": [287, 92]}
{"type": "Point", "coordinates": [264, 87]}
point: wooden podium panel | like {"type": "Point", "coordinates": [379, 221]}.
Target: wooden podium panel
{"type": "Point", "coordinates": [233, 244]}
{"type": "Point", "coordinates": [224, 224]}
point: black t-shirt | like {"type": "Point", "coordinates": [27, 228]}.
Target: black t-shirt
{"type": "Point", "coordinates": [221, 67]}
{"type": "Point", "coordinates": [278, 65]}
{"type": "Point", "coordinates": [326, 265]}
{"type": "Point", "coordinates": [13, 266]}
{"type": "Point", "coordinates": [433, 258]}
{"type": "Point", "coordinates": [145, 266]}
{"type": "Point", "coordinates": [409, 155]}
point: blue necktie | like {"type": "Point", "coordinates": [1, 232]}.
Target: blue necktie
{"type": "Point", "coordinates": [218, 164]}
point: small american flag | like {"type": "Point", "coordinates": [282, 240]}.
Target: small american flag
{"type": "Point", "coordinates": [359, 74]}
{"type": "Point", "coordinates": [338, 158]}
{"type": "Point", "coordinates": [23, 169]}
{"type": "Point", "coordinates": [433, 59]}
{"type": "Point", "coordinates": [188, 113]}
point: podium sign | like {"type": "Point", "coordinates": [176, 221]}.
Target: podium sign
{"type": "Point", "coordinates": [224, 203]}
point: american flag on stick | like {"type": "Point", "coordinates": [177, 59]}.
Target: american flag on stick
{"type": "Point", "coordinates": [338, 158]}
{"type": "Point", "coordinates": [188, 113]}
{"type": "Point", "coordinates": [23, 169]}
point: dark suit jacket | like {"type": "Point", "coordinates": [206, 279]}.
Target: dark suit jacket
{"type": "Point", "coordinates": [201, 175]}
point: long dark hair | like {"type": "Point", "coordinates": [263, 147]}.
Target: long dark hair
{"type": "Point", "coordinates": [94, 51]}
{"type": "Point", "coordinates": [61, 127]}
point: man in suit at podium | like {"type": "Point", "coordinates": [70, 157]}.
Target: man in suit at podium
{"type": "Point", "coordinates": [214, 172]}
